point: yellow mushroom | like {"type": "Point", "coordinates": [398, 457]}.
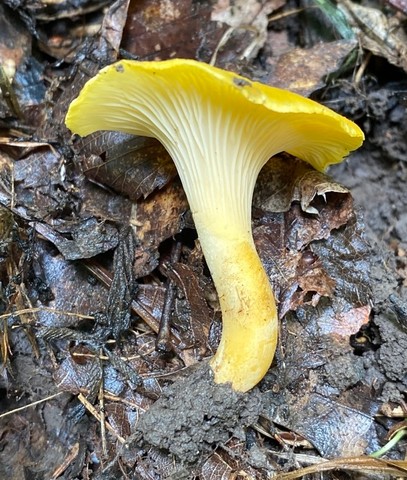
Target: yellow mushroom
{"type": "Point", "coordinates": [220, 129]}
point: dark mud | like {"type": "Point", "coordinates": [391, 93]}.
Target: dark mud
{"type": "Point", "coordinates": [377, 178]}
{"type": "Point", "coordinates": [193, 416]}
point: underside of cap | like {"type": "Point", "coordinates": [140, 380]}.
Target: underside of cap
{"type": "Point", "coordinates": [145, 98]}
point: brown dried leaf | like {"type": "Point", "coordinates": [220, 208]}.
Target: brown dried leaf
{"type": "Point", "coordinates": [248, 20]}
{"type": "Point", "coordinates": [283, 242]}
{"type": "Point", "coordinates": [233, 460]}
{"type": "Point", "coordinates": [381, 35]}
{"type": "Point", "coordinates": [304, 70]}
{"type": "Point", "coordinates": [216, 468]}
{"type": "Point", "coordinates": [77, 373]}
{"type": "Point", "coordinates": [199, 313]}
{"type": "Point", "coordinates": [133, 166]}
{"type": "Point", "coordinates": [285, 179]}
{"type": "Point", "coordinates": [118, 418]}
{"type": "Point", "coordinates": [157, 218]}
{"type": "Point", "coordinates": [153, 464]}
{"type": "Point", "coordinates": [161, 30]}
{"type": "Point", "coordinates": [151, 298]}
{"type": "Point", "coordinates": [309, 284]}
{"type": "Point", "coordinates": [334, 211]}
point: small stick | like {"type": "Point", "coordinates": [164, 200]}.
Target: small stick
{"type": "Point", "coordinates": [72, 454]}
{"type": "Point", "coordinates": [163, 343]}
{"type": "Point", "coordinates": [85, 402]}
{"type": "Point", "coordinates": [30, 405]}
{"type": "Point", "coordinates": [102, 414]}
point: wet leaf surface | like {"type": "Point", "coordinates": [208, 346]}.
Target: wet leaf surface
{"type": "Point", "coordinates": [287, 241]}
{"type": "Point", "coordinates": [163, 30]}
{"type": "Point", "coordinates": [87, 239]}
{"type": "Point", "coordinates": [247, 21]}
{"type": "Point", "coordinates": [286, 179]}
{"type": "Point", "coordinates": [74, 375]}
{"type": "Point", "coordinates": [335, 430]}
{"type": "Point", "coordinates": [123, 286]}
{"type": "Point", "coordinates": [133, 166]}
{"type": "Point", "coordinates": [160, 216]}
{"type": "Point", "coordinates": [315, 65]}
{"type": "Point", "coordinates": [322, 341]}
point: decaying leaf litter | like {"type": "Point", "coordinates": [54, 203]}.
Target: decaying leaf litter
{"type": "Point", "coordinates": [337, 386]}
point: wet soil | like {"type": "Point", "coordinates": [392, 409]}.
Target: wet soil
{"type": "Point", "coordinates": [325, 385]}
{"type": "Point", "coordinates": [378, 185]}
{"type": "Point", "coordinates": [195, 415]}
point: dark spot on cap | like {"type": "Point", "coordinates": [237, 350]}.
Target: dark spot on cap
{"type": "Point", "coordinates": [119, 68]}
{"type": "Point", "coordinates": [241, 82]}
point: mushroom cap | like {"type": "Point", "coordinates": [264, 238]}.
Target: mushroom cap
{"type": "Point", "coordinates": [218, 127]}
{"type": "Point", "coordinates": [143, 98]}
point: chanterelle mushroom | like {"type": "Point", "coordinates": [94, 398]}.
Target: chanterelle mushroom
{"type": "Point", "coordinates": [220, 129]}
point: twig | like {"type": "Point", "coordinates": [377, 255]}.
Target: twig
{"type": "Point", "coordinates": [85, 402]}
{"type": "Point", "coordinates": [102, 416]}
{"type": "Point", "coordinates": [30, 405]}
{"type": "Point", "coordinates": [72, 454]}
{"type": "Point", "coordinates": [163, 342]}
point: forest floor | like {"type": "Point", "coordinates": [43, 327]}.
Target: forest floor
{"type": "Point", "coordinates": [98, 247]}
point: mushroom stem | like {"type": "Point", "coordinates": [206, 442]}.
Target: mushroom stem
{"type": "Point", "coordinates": [220, 129]}
{"type": "Point", "coordinates": [249, 315]}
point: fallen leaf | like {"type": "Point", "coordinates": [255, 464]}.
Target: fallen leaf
{"type": "Point", "coordinates": [379, 34]}
{"type": "Point", "coordinates": [167, 29]}
{"type": "Point", "coordinates": [315, 417]}
{"type": "Point", "coordinates": [286, 241]}
{"type": "Point", "coordinates": [158, 217]}
{"type": "Point", "coordinates": [305, 70]}
{"type": "Point", "coordinates": [73, 374]}
{"type": "Point", "coordinates": [346, 323]}
{"type": "Point", "coordinates": [285, 179]}
{"type": "Point", "coordinates": [247, 17]}
{"type": "Point", "coordinates": [89, 239]}
{"type": "Point", "coordinates": [132, 166]}
{"type": "Point", "coordinates": [400, 5]}
{"type": "Point", "coordinates": [200, 315]}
